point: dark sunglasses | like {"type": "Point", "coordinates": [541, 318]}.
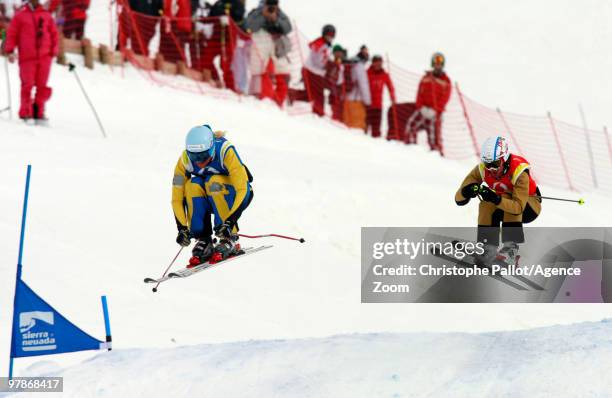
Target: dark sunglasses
{"type": "Point", "coordinates": [198, 157]}
{"type": "Point", "coordinates": [493, 165]}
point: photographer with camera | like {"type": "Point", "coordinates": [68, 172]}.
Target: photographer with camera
{"type": "Point", "coordinates": [269, 26]}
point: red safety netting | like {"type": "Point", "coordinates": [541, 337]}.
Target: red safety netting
{"type": "Point", "coordinates": [209, 54]}
{"type": "Point", "coordinates": [70, 15]}
{"type": "Point", "coordinates": [562, 155]}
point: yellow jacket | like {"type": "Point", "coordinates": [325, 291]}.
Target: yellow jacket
{"type": "Point", "coordinates": [226, 162]}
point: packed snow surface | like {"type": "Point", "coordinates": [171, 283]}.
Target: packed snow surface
{"type": "Point", "coordinates": [560, 361]}
{"type": "Point", "coordinates": [100, 220]}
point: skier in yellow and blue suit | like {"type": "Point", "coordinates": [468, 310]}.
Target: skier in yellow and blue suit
{"type": "Point", "coordinates": [209, 179]}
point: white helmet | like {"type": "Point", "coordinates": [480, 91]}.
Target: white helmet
{"type": "Point", "coordinates": [494, 151]}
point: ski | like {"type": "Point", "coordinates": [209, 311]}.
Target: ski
{"type": "Point", "coordinates": [521, 278]}
{"type": "Point", "coordinates": [465, 263]}
{"type": "Point", "coordinates": [186, 272]}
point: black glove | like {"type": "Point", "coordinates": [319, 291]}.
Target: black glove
{"type": "Point", "coordinates": [184, 237]}
{"type": "Point", "coordinates": [488, 195]}
{"type": "Point", "coordinates": [224, 230]}
{"type": "Point", "coordinates": [470, 191]}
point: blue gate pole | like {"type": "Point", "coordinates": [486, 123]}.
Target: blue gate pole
{"type": "Point", "coordinates": [109, 338]}
{"type": "Point", "coordinates": [19, 266]}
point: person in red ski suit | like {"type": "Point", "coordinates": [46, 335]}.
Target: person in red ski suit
{"type": "Point", "coordinates": [378, 79]}
{"type": "Point", "coordinates": [433, 95]}
{"type": "Point", "coordinates": [33, 33]}
{"type": "Point", "coordinates": [73, 13]}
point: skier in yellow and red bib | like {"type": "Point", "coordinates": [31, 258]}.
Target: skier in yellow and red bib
{"type": "Point", "coordinates": [509, 196]}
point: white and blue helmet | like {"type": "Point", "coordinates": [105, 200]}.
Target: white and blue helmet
{"type": "Point", "coordinates": [494, 151]}
{"type": "Point", "coordinates": [200, 143]}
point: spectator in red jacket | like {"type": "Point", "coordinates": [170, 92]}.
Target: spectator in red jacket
{"type": "Point", "coordinates": [378, 79]}
{"type": "Point", "coordinates": [72, 15]}
{"type": "Point", "coordinates": [33, 33]}
{"type": "Point", "coordinates": [316, 67]}
{"type": "Point", "coordinates": [433, 95]}
{"type": "Point", "coordinates": [175, 29]}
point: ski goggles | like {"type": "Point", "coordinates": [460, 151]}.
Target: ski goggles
{"type": "Point", "coordinates": [199, 157]}
{"type": "Point", "coordinates": [494, 165]}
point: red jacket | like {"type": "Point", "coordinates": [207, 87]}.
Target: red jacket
{"type": "Point", "coordinates": [71, 9]}
{"type": "Point", "coordinates": [378, 79]}
{"type": "Point", "coordinates": [33, 33]}
{"type": "Point", "coordinates": [180, 12]}
{"type": "Point", "coordinates": [505, 183]}
{"type": "Point", "coordinates": [434, 92]}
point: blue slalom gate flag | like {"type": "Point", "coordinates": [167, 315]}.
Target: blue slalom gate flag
{"type": "Point", "coordinates": [38, 329]}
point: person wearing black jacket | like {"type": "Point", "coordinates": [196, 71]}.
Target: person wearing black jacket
{"type": "Point", "coordinates": [140, 27]}
{"type": "Point", "coordinates": [235, 9]}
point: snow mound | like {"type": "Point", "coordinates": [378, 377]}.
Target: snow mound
{"type": "Point", "coordinates": [553, 361]}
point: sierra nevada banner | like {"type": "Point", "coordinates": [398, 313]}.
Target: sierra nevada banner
{"type": "Point", "coordinates": [38, 329]}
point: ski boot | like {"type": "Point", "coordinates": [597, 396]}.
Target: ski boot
{"type": "Point", "coordinates": [39, 119]}
{"type": "Point", "coordinates": [509, 253]}
{"type": "Point", "coordinates": [227, 247]}
{"type": "Point", "coordinates": [42, 121]}
{"type": "Point", "coordinates": [27, 120]}
{"type": "Point", "coordinates": [202, 252]}
{"type": "Point", "coordinates": [486, 258]}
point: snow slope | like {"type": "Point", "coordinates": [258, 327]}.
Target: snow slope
{"type": "Point", "coordinates": [559, 361]}
{"type": "Point", "coordinates": [100, 220]}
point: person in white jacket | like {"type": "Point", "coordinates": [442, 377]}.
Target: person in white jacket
{"type": "Point", "coordinates": [358, 97]}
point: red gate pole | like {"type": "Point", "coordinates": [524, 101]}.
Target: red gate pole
{"type": "Point", "coordinates": [304, 75]}
{"type": "Point", "coordinates": [509, 130]}
{"type": "Point", "coordinates": [468, 121]}
{"type": "Point", "coordinates": [397, 135]}
{"type": "Point", "coordinates": [587, 136]}
{"type": "Point", "coordinates": [605, 129]}
{"type": "Point", "coordinates": [565, 168]}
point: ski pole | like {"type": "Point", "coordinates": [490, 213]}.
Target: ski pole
{"type": "Point", "coordinates": [301, 240]}
{"type": "Point", "coordinates": [72, 68]}
{"type": "Point", "coordinates": [580, 201]}
{"type": "Point", "coordinates": [168, 269]}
